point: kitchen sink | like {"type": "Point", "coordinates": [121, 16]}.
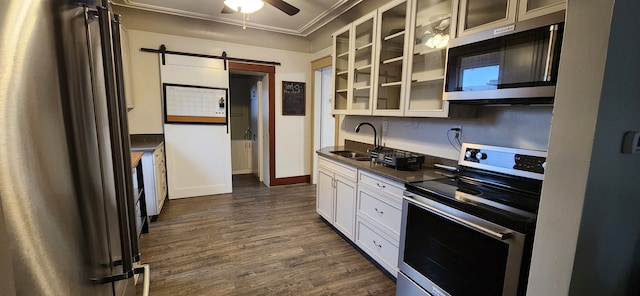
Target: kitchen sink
{"type": "Point", "coordinates": [352, 155]}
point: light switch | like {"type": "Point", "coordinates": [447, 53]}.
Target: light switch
{"type": "Point", "coordinates": [631, 142]}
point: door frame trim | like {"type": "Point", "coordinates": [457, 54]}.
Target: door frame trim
{"type": "Point", "coordinates": [271, 72]}
{"type": "Point", "coordinates": [318, 64]}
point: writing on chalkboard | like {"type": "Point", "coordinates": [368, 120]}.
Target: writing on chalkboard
{"type": "Point", "coordinates": [293, 98]}
{"type": "Point", "coordinates": [293, 88]}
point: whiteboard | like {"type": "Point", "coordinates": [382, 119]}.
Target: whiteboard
{"type": "Point", "coordinates": [195, 104]}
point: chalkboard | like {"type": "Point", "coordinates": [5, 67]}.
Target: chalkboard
{"type": "Point", "coordinates": [293, 98]}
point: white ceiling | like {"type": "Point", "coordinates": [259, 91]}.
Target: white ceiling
{"type": "Point", "coordinates": [313, 13]}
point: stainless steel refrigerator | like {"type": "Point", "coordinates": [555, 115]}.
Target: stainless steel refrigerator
{"type": "Point", "coordinates": [67, 224]}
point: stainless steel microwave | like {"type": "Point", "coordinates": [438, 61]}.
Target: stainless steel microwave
{"type": "Point", "coordinates": [512, 64]}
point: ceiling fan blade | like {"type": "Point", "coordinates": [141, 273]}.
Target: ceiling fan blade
{"type": "Point", "coordinates": [226, 9]}
{"type": "Point", "coordinates": [283, 6]}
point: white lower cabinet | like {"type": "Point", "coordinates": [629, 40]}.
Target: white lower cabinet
{"type": "Point", "coordinates": [155, 180]}
{"type": "Point", "coordinates": [336, 195]}
{"type": "Point", "coordinates": [365, 207]}
{"type": "Point", "coordinates": [325, 194]}
{"type": "Point", "coordinates": [379, 214]}
{"type": "Point", "coordinates": [378, 246]}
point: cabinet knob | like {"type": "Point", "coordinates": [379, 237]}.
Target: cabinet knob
{"type": "Point", "coordinates": [378, 211]}
{"type": "Point", "coordinates": [381, 186]}
{"type": "Point", "coordinates": [377, 245]}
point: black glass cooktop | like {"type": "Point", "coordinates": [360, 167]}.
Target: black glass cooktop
{"type": "Point", "coordinates": [510, 203]}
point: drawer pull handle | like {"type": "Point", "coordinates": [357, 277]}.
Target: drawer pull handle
{"type": "Point", "coordinates": [377, 245]}
{"type": "Point", "coordinates": [381, 186]}
{"type": "Point", "coordinates": [378, 211]}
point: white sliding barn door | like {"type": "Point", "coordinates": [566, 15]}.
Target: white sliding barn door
{"type": "Point", "coordinates": [198, 155]}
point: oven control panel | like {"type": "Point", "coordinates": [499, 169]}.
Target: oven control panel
{"type": "Point", "coordinates": [518, 162]}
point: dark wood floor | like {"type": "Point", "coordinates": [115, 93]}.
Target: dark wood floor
{"type": "Point", "coordinates": [256, 241]}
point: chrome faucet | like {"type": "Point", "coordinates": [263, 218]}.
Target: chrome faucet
{"type": "Point", "coordinates": [375, 134]}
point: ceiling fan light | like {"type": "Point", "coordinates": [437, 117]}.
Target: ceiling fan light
{"type": "Point", "coordinates": [244, 6]}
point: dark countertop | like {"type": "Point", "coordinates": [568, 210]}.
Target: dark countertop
{"type": "Point", "coordinates": [146, 142]}
{"type": "Point", "coordinates": [426, 173]}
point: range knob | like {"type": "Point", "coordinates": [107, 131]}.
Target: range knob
{"type": "Point", "coordinates": [480, 156]}
{"type": "Point", "coordinates": [470, 154]}
{"type": "Point", "coordinates": [544, 165]}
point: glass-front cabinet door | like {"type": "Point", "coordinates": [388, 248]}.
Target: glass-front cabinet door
{"type": "Point", "coordinates": [432, 29]}
{"type": "Point", "coordinates": [341, 74]}
{"type": "Point", "coordinates": [535, 8]}
{"type": "Point", "coordinates": [391, 58]}
{"type": "Point", "coordinates": [479, 15]}
{"type": "Point", "coordinates": [363, 64]}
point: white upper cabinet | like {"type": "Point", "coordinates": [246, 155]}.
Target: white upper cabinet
{"type": "Point", "coordinates": [353, 55]}
{"type": "Point", "coordinates": [432, 26]}
{"type": "Point", "coordinates": [342, 63]}
{"type": "Point", "coordinates": [363, 66]}
{"type": "Point", "coordinates": [479, 15]}
{"type": "Point", "coordinates": [535, 8]}
{"type": "Point", "coordinates": [391, 59]}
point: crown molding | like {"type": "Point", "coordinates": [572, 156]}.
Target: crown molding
{"type": "Point", "coordinates": [314, 24]}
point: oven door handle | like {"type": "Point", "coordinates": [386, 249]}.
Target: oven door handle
{"type": "Point", "coordinates": [498, 234]}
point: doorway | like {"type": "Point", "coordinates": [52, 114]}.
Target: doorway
{"type": "Point", "coordinates": [327, 121]}
{"type": "Point", "coordinates": [324, 123]}
{"type": "Point", "coordinates": [246, 122]}
{"type": "Point", "coordinates": [265, 137]}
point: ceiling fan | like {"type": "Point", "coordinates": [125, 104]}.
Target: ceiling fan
{"type": "Point", "coordinates": [232, 6]}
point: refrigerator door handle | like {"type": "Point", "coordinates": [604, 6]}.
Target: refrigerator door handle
{"type": "Point", "coordinates": [124, 125]}
{"type": "Point", "coordinates": [144, 269]}
{"type": "Point", "coordinates": [119, 157]}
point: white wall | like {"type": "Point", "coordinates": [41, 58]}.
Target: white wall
{"type": "Point", "coordinates": [322, 53]}
{"type": "Point", "coordinates": [578, 93]}
{"type": "Point", "coordinates": [516, 126]}
{"type": "Point", "coordinates": [589, 227]}
{"type": "Point", "coordinates": [292, 132]}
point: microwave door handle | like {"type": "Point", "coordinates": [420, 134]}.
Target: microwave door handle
{"type": "Point", "coordinates": [493, 233]}
{"type": "Point", "coordinates": [553, 36]}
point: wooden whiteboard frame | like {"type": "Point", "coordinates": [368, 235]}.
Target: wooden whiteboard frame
{"type": "Point", "coordinates": [196, 119]}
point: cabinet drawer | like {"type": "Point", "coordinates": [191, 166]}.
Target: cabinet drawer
{"type": "Point", "coordinates": [378, 247]}
{"type": "Point", "coordinates": [383, 184]}
{"type": "Point", "coordinates": [338, 168]}
{"type": "Point", "coordinates": [381, 210]}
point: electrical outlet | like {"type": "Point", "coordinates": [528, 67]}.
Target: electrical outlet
{"type": "Point", "coordinates": [385, 125]}
{"type": "Point", "coordinates": [457, 127]}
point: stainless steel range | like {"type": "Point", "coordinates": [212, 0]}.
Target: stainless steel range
{"type": "Point", "coordinates": [472, 235]}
